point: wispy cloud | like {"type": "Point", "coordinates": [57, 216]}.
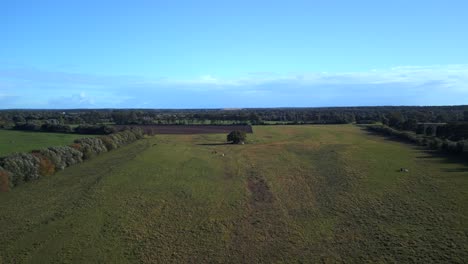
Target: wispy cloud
{"type": "Point", "coordinates": [404, 85]}
{"type": "Point", "coordinates": [74, 101]}
{"type": "Point", "coordinates": [35, 75]}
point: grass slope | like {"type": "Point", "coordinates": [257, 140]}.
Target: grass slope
{"type": "Point", "coordinates": [295, 194]}
{"type": "Point", "coordinates": [22, 141]}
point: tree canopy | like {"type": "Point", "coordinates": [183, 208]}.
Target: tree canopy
{"type": "Point", "coordinates": [236, 137]}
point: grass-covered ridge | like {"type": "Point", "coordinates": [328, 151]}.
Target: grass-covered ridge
{"type": "Point", "coordinates": [292, 194]}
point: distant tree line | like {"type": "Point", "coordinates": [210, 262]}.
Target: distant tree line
{"type": "Point", "coordinates": [18, 168]}
{"type": "Point", "coordinates": [447, 127]}
{"type": "Point", "coordinates": [60, 128]}
{"type": "Point", "coordinates": [445, 122]}
{"type": "Point", "coordinates": [399, 117]}
{"type": "Point", "coordinates": [453, 131]}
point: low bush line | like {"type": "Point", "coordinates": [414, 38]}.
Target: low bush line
{"type": "Point", "coordinates": [18, 168]}
{"type": "Point", "coordinates": [434, 143]}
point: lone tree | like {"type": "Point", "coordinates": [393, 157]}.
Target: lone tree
{"type": "Point", "coordinates": [236, 137]}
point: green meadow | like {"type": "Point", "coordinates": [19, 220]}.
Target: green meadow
{"type": "Point", "coordinates": [291, 194]}
{"type": "Point", "coordinates": [23, 141]}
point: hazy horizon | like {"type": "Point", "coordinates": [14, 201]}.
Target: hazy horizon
{"type": "Point", "coordinates": [206, 54]}
{"type": "Point", "coordinates": [234, 108]}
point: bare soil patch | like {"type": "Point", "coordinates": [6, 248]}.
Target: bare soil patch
{"type": "Point", "coordinates": [259, 190]}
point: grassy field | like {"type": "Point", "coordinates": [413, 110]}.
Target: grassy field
{"type": "Point", "coordinates": [22, 141]}
{"type": "Point", "coordinates": [293, 194]}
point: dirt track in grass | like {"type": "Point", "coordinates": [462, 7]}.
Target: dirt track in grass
{"type": "Point", "coordinates": [310, 194]}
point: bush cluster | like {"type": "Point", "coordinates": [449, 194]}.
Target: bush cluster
{"type": "Point", "coordinates": [56, 128]}
{"type": "Point", "coordinates": [434, 143]}
{"type": "Point", "coordinates": [62, 157]}
{"type": "Point", "coordinates": [90, 147]}
{"type": "Point", "coordinates": [94, 129]}
{"type": "Point", "coordinates": [27, 127]}
{"type": "Point", "coordinates": [236, 137]}
{"type": "Point", "coordinates": [22, 167]}
{"type": "Point", "coordinates": [4, 180]}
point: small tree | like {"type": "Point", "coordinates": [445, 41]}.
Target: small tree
{"type": "Point", "coordinates": [236, 137]}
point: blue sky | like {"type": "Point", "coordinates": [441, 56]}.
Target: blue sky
{"type": "Point", "coordinates": [215, 54]}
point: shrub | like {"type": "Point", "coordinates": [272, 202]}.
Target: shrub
{"type": "Point", "coordinates": [56, 128]}
{"type": "Point", "coordinates": [46, 166]}
{"type": "Point", "coordinates": [95, 129]}
{"type": "Point", "coordinates": [435, 144]}
{"type": "Point", "coordinates": [4, 180]}
{"type": "Point", "coordinates": [91, 147]}
{"type": "Point", "coordinates": [76, 146]}
{"type": "Point", "coordinates": [236, 137]}
{"type": "Point", "coordinates": [138, 132]}
{"type": "Point", "coordinates": [121, 138]}
{"type": "Point", "coordinates": [62, 157]}
{"type": "Point", "coordinates": [22, 167]}
{"type": "Point", "coordinates": [109, 142]}
{"type": "Point", "coordinates": [27, 126]}
{"type": "Point", "coordinates": [432, 142]}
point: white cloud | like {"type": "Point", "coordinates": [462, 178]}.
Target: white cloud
{"type": "Point", "coordinates": [452, 76]}
{"type": "Point", "coordinates": [411, 85]}
{"type": "Point", "coordinates": [208, 78]}
{"type": "Point", "coordinates": [80, 100]}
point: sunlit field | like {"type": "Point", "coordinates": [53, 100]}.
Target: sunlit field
{"type": "Point", "coordinates": [291, 194]}
{"type": "Point", "coordinates": [22, 141]}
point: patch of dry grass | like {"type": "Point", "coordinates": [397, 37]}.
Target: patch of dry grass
{"type": "Point", "coordinates": [293, 194]}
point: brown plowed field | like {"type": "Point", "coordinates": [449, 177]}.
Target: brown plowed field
{"type": "Point", "coordinates": [190, 129]}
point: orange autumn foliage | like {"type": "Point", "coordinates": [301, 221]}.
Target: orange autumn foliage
{"type": "Point", "coordinates": [4, 181]}
{"type": "Point", "coordinates": [46, 167]}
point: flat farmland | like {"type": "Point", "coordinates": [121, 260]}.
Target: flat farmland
{"type": "Point", "coordinates": [190, 129]}
{"type": "Point", "coordinates": [306, 194]}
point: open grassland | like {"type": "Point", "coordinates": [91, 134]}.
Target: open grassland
{"type": "Point", "coordinates": [189, 129]}
{"type": "Point", "coordinates": [22, 141]}
{"type": "Point", "coordinates": [293, 194]}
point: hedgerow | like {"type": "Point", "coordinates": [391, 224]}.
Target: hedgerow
{"type": "Point", "coordinates": [62, 157]}
{"type": "Point", "coordinates": [4, 180]}
{"type": "Point", "coordinates": [434, 143]}
{"type": "Point", "coordinates": [22, 167]}
{"type": "Point", "coordinates": [94, 129]}
{"type": "Point", "coordinates": [90, 147]}
{"type": "Point", "coordinates": [46, 166]}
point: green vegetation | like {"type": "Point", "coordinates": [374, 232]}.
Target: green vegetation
{"type": "Point", "coordinates": [17, 168]}
{"type": "Point", "coordinates": [293, 194]}
{"type": "Point", "coordinates": [21, 141]}
{"type": "Point", "coordinates": [236, 137]}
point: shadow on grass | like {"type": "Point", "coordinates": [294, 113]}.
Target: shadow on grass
{"type": "Point", "coordinates": [214, 144]}
{"type": "Point", "coordinates": [444, 156]}
{"type": "Point", "coordinates": [456, 170]}
{"type": "Point", "coordinates": [390, 138]}
{"type": "Point", "coordinates": [428, 154]}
